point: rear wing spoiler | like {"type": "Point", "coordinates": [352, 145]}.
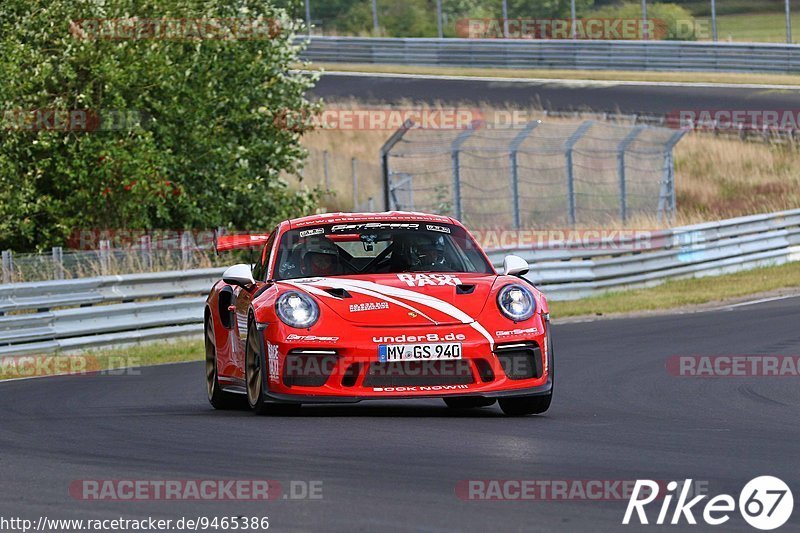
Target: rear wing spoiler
{"type": "Point", "coordinates": [226, 243]}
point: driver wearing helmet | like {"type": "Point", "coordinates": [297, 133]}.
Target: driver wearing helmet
{"type": "Point", "coordinates": [426, 252]}
{"type": "Point", "coordinates": [320, 257]}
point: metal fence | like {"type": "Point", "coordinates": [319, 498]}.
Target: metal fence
{"type": "Point", "coordinates": [535, 175]}
{"type": "Point", "coordinates": [115, 310]}
{"type": "Point", "coordinates": [559, 54]}
{"type": "Point", "coordinates": [351, 184]}
{"type": "Point", "coordinates": [112, 257]}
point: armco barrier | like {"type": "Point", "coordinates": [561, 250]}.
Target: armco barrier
{"type": "Point", "coordinates": [558, 54]}
{"type": "Point", "coordinates": [109, 310]}
{"type": "Point", "coordinates": [116, 310]}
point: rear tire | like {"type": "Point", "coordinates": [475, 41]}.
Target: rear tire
{"type": "Point", "coordinates": [468, 402]}
{"type": "Point", "coordinates": [254, 378]}
{"type": "Point", "coordinates": [218, 398]}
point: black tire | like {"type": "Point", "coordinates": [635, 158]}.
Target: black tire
{"type": "Point", "coordinates": [255, 369]}
{"type": "Point", "coordinates": [218, 398]}
{"type": "Point", "coordinates": [468, 402]}
{"type": "Point", "coordinates": [526, 405]}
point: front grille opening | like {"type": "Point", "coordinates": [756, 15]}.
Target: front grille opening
{"type": "Point", "coordinates": [484, 370]}
{"type": "Point", "coordinates": [304, 368]}
{"type": "Point", "coordinates": [351, 375]}
{"type": "Point", "coordinates": [520, 361]}
{"type": "Point", "coordinates": [419, 373]}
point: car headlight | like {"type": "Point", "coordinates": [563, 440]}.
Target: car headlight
{"type": "Point", "coordinates": [297, 310]}
{"type": "Point", "coordinates": [516, 302]}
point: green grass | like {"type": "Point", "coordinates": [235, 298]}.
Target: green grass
{"type": "Point", "coordinates": [755, 27]}
{"type": "Point", "coordinates": [680, 293]}
{"type": "Point", "coordinates": [105, 360]}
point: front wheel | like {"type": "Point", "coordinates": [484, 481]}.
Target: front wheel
{"type": "Point", "coordinates": [526, 405]}
{"type": "Point", "coordinates": [532, 405]}
{"type": "Point", "coordinates": [254, 377]}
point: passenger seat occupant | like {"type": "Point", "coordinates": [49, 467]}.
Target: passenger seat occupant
{"type": "Point", "coordinates": [321, 258]}
{"type": "Point", "coordinates": [426, 253]}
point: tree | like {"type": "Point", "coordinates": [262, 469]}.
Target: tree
{"type": "Point", "coordinates": [187, 137]}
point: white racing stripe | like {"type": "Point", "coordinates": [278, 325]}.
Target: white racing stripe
{"type": "Point", "coordinates": [424, 299]}
{"type": "Point", "coordinates": [319, 292]}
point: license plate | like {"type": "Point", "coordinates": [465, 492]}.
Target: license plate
{"type": "Point", "coordinates": [388, 353]}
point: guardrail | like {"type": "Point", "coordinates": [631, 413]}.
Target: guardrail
{"type": "Point", "coordinates": [558, 54]}
{"type": "Point", "coordinates": [117, 310]}
{"type": "Point", "coordinates": [104, 311]}
{"type": "Point", "coordinates": [713, 248]}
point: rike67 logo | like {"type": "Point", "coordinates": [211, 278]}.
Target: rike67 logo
{"type": "Point", "coordinates": [765, 503]}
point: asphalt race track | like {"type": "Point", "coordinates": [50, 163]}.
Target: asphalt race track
{"type": "Point", "coordinates": [623, 97]}
{"type": "Point", "coordinates": [617, 415]}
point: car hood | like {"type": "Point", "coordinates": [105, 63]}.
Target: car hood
{"type": "Point", "coordinates": [402, 299]}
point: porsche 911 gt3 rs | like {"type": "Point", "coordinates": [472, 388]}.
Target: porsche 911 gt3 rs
{"type": "Point", "coordinates": [347, 307]}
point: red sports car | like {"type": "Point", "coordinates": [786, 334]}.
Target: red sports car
{"type": "Point", "coordinates": [347, 307]}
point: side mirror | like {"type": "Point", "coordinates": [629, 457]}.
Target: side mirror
{"type": "Point", "coordinates": [514, 265]}
{"type": "Point", "coordinates": [241, 275]}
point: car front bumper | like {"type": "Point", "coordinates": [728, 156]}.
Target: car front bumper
{"type": "Point", "coordinates": [349, 372]}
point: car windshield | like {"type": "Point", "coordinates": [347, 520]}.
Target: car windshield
{"type": "Point", "coordinates": [377, 248]}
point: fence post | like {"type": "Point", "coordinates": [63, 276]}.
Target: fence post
{"type": "Point", "coordinates": [713, 20]}
{"type": "Point", "coordinates": [353, 165]}
{"type": "Point", "coordinates": [104, 254]}
{"type": "Point", "coordinates": [568, 147]}
{"type": "Point", "coordinates": [58, 262]}
{"type": "Point", "coordinates": [621, 149]}
{"type": "Point", "coordinates": [187, 248]}
{"type": "Point", "coordinates": [146, 250]}
{"type": "Point", "coordinates": [788, 10]}
{"type": "Point", "coordinates": [666, 197]}
{"type": "Point", "coordinates": [645, 34]}
{"type": "Point", "coordinates": [8, 266]}
{"type": "Point", "coordinates": [455, 148]}
{"type": "Point", "coordinates": [376, 29]}
{"type": "Point", "coordinates": [439, 32]}
{"type": "Point", "coordinates": [514, 147]}
{"type": "Point", "coordinates": [325, 170]}
{"type": "Point", "coordinates": [384, 154]}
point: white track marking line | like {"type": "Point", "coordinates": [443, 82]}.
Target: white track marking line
{"type": "Point", "coordinates": [761, 301]}
{"type": "Point", "coordinates": [564, 82]}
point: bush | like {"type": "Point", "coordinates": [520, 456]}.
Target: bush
{"type": "Point", "coordinates": [202, 150]}
{"type": "Point", "coordinates": [678, 23]}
